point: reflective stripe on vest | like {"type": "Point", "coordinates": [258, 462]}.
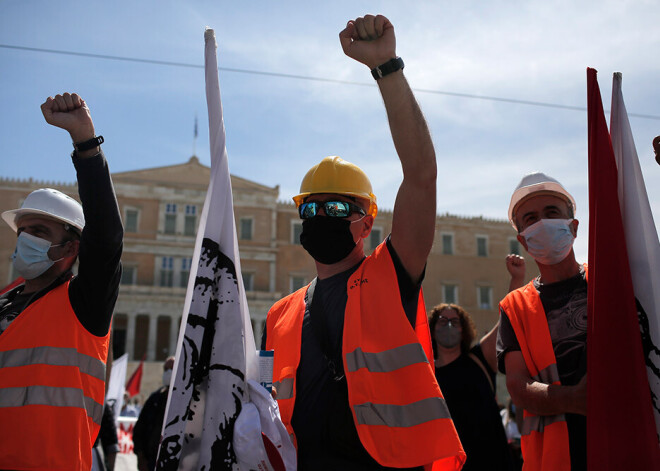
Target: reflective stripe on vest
{"type": "Point", "coordinates": [51, 396]}
{"type": "Point", "coordinates": [548, 375]}
{"type": "Point", "coordinates": [409, 415]}
{"type": "Point", "coordinates": [284, 388]}
{"type": "Point", "coordinates": [53, 356]}
{"type": "Point", "coordinates": [387, 360]}
{"type": "Point", "coordinates": [537, 423]}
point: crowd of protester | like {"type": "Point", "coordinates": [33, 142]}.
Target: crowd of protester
{"type": "Point", "coordinates": [358, 383]}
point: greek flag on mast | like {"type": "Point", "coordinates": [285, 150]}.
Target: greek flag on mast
{"type": "Point", "coordinates": [216, 353]}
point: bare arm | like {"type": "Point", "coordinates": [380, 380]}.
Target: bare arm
{"type": "Point", "coordinates": [515, 265]}
{"type": "Point", "coordinates": [540, 398]}
{"type": "Point", "coordinates": [488, 343]}
{"type": "Point", "coordinates": [371, 40]}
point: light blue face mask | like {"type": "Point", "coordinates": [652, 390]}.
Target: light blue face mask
{"type": "Point", "coordinates": [30, 259]}
{"type": "Point", "coordinates": [549, 241]}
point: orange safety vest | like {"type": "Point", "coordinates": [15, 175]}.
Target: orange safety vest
{"type": "Point", "coordinates": [398, 409]}
{"type": "Point", "coordinates": [544, 438]}
{"type": "Point", "coordinates": [52, 387]}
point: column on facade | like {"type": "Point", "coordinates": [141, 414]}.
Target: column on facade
{"type": "Point", "coordinates": [272, 275]}
{"type": "Point", "coordinates": [273, 244]}
{"type": "Point", "coordinates": [130, 335]}
{"type": "Point", "coordinates": [174, 334]}
{"type": "Point", "coordinates": [151, 342]}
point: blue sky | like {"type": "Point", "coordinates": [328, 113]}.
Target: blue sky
{"type": "Point", "coordinates": [278, 127]}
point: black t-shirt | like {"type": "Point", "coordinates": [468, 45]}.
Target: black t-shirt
{"type": "Point", "coordinates": [322, 420]}
{"type": "Point", "coordinates": [565, 306]}
{"type": "Point", "coordinates": [94, 291]}
{"type": "Point", "coordinates": [476, 416]}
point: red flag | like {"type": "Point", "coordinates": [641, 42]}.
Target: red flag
{"type": "Point", "coordinates": [620, 427]}
{"type": "Point", "coordinates": [133, 383]}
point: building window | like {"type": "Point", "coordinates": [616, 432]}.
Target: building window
{"type": "Point", "coordinates": [514, 246]}
{"type": "Point", "coordinates": [190, 221]}
{"type": "Point", "coordinates": [131, 220]}
{"type": "Point", "coordinates": [376, 237]}
{"type": "Point", "coordinates": [170, 218]}
{"type": "Point", "coordinates": [128, 275]}
{"type": "Point", "coordinates": [186, 263]}
{"type": "Point", "coordinates": [296, 282]}
{"type": "Point", "coordinates": [167, 272]}
{"type": "Point", "coordinates": [485, 296]}
{"type": "Point", "coordinates": [296, 230]}
{"type": "Point", "coordinates": [246, 228]}
{"type": "Point", "coordinates": [482, 246]}
{"type": "Point", "coordinates": [447, 244]}
{"type": "Point", "coordinates": [450, 294]}
{"type": "Point", "coordinates": [248, 281]}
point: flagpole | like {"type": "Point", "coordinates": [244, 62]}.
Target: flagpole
{"type": "Point", "coordinates": [216, 353]}
{"type": "Point", "coordinates": [195, 137]}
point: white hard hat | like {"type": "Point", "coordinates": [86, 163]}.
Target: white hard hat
{"type": "Point", "coordinates": [533, 184]}
{"type": "Point", "coordinates": [49, 203]}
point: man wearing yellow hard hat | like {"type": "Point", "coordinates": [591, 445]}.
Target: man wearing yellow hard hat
{"type": "Point", "coordinates": [542, 339]}
{"type": "Point", "coordinates": [352, 352]}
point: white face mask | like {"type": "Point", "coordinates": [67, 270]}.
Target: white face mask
{"type": "Point", "coordinates": [30, 258]}
{"type": "Point", "coordinates": [549, 240]}
{"type": "Point", "coordinates": [167, 377]}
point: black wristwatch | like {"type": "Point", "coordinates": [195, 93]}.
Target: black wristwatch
{"type": "Point", "coordinates": [88, 144]}
{"type": "Point", "coordinates": [387, 68]}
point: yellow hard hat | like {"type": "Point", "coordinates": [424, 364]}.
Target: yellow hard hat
{"type": "Point", "coordinates": [335, 175]}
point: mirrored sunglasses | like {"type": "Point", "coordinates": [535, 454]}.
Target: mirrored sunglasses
{"type": "Point", "coordinates": [333, 209]}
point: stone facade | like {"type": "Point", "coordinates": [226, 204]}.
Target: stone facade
{"type": "Point", "coordinates": [161, 208]}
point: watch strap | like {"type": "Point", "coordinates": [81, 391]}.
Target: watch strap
{"type": "Point", "coordinates": [88, 144]}
{"type": "Point", "coordinates": [387, 68]}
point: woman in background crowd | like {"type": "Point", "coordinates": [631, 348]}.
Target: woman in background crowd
{"type": "Point", "coordinates": [466, 375]}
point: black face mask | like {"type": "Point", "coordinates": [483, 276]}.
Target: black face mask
{"type": "Point", "coordinates": [327, 240]}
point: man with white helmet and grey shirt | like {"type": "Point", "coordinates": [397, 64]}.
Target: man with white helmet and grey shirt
{"type": "Point", "coordinates": [542, 340]}
{"type": "Point", "coordinates": [55, 327]}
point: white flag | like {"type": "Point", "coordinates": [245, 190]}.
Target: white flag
{"type": "Point", "coordinates": [116, 384]}
{"type": "Point", "coordinates": [215, 353]}
{"type": "Point", "coordinates": [641, 240]}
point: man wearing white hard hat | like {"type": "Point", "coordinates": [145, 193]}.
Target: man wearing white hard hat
{"type": "Point", "coordinates": [55, 327]}
{"type": "Point", "coordinates": [542, 340]}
